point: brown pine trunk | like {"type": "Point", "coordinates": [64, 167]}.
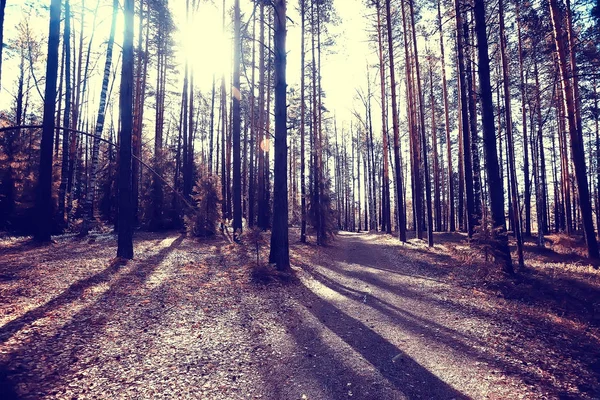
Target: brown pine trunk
{"type": "Point", "coordinates": [279, 237]}
{"type": "Point", "coordinates": [303, 125]}
{"type": "Point", "coordinates": [386, 219]}
{"type": "Point", "coordinates": [451, 212]}
{"type": "Point", "coordinates": [399, 183]}
{"type": "Point", "coordinates": [495, 187]}
{"type": "Point", "coordinates": [437, 206]}
{"type": "Point", "coordinates": [527, 183]}
{"type": "Point", "coordinates": [125, 239]}
{"type": "Point", "coordinates": [237, 121]}
{"type": "Point", "coordinates": [571, 91]}
{"type": "Point", "coordinates": [422, 128]}
{"type": "Point", "coordinates": [466, 138]}
{"type": "Point", "coordinates": [509, 139]}
{"type": "Point", "coordinates": [43, 202]}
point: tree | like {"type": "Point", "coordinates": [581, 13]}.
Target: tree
{"type": "Point", "coordinates": [279, 253]}
{"type": "Point", "coordinates": [451, 225]}
{"type": "Point", "coordinates": [570, 91]}
{"type": "Point", "coordinates": [467, 178]}
{"type": "Point", "coordinates": [495, 187]}
{"type": "Point", "coordinates": [302, 124]}
{"type": "Point", "coordinates": [509, 139]}
{"type": "Point", "coordinates": [399, 183]}
{"type": "Point", "coordinates": [2, 7]}
{"type": "Point", "coordinates": [91, 193]}
{"type": "Point", "coordinates": [64, 172]}
{"type": "Point", "coordinates": [125, 239]}
{"type": "Point", "coordinates": [237, 121]}
{"type": "Point", "coordinates": [44, 186]}
{"type": "Point", "coordinates": [385, 200]}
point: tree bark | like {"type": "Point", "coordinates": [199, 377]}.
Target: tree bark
{"type": "Point", "coordinates": [91, 193]}
{"type": "Point", "coordinates": [495, 187]}
{"type": "Point", "coordinates": [44, 185]}
{"type": "Point", "coordinates": [2, 7]}
{"type": "Point", "coordinates": [399, 183]}
{"type": "Point", "coordinates": [125, 239]}
{"type": "Point", "coordinates": [466, 138]}
{"type": "Point", "coordinates": [236, 128]}
{"type": "Point", "coordinates": [570, 91]}
{"type": "Point", "coordinates": [509, 139]}
{"type": "Point", "coordinates": [279, 253]}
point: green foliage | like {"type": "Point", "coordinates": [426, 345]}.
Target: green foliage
{"type": "Point", "coordinates": [207, 197]}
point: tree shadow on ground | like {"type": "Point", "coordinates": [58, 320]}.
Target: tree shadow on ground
{"type": "Point", "coordinates": [562, 296]}
{"type": "Point", "coordinates": [7, 390]}
{"type": "Point", "coordinates": [59, 351]}
{"type": "Point", "coordinates": [336, 369]}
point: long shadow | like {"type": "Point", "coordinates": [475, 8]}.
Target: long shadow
{"type": "Point", "coordinates": [362, 253]}
{"type": "Point", "coordinates": [71, 294]}
{"type": "Point", "coordinates": [7, 390]}
{"type": "Point", "coordinates": [394, 312]}
{"type": "Point", "coordinates": [400, 370]}
{"type": "Point", "coordinates": [556, 336]}
{"type": "Point", "coordinates": [565, 296]}
{"type": "Point", "coordinates": [437, 333]}
{"type": "Point", "coordinates": [61, 349]}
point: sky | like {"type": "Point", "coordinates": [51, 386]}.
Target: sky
{"type": "Point", "coordinates": [208, 48]}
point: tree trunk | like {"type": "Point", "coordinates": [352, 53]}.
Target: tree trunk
{"type": "Point", "coordinates": [279, 253]}
{"type": "Point", "coordinates": [386, 220]}
{"type": "Point", "coordinates": [509, 140]}
{"type": "Point", "coordinates": [62, 189]}
{"type": "Point", "coordinates": [302, 125]}
{"type": "Point", "coordinates": [125, 239]}
{"type": "Point", "coordinates": [437, 206]}
{"type": "Point", "coordinates": [466, 138]}
{"type": "Point", "coordinates": [527, 183]}
{"type": "Point", "coordinates": [2, 6]}
{"type": "Point", "coordinates": [399, 183]}
{"type": "Point", "coordinates": [44, 184]}
{"type": "Point", "coordinates": [570, 91]}
{"type": "Point", "coordinates": [91, 193]}
{"type": "Point", "coordinates": [237, 120]}
{"type": "Point", "coordinates": [495, 189]}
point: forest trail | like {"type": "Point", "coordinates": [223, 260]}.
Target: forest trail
{"type": "Point", "coordinates": [419, 321]}
{"type": "Point", "coordinates": [364, 318]}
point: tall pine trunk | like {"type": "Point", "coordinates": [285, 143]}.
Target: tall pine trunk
{"type": "Point", "coordinates": [125, 239]}
{"type": "Point", "coordinates": [570, 91]}
{"type": "Point", "coordinates": [467, 179]}
{"type": "Point", "coordinates": [237, 121]}
{"type": "Point", "coordinates": [91, 193]}
{"type": "Point", "coordinates": [302, 125]}
{"type": "Point", "coordinates": [495, 187]}
{"type": "Point", "coordinates": [399, 183]}
{"type": "Point", "coordinates": [44, 185]}
{"type": "Point", "coordinates": [279, 253]}
{"type": "Point", "coordinates": [64, 174]}
{"type": "Point", "coordinates": [509, 139]}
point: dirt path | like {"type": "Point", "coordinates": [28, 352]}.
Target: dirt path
{"type": "Point", "coordinates": [366, 318]}
{"type": "Point", "coordinates": [429, 334]}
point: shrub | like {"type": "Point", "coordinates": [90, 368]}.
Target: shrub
{"type": "Point", "coordinates": [207, 197]}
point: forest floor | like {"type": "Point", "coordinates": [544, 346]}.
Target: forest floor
{"type": "Point", "coordinates": [364, 318]}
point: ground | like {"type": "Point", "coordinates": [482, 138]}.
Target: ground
{"type": "Point", "coordinates": [364, 318]}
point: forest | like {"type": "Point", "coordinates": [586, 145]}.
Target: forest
{"type": "Point", "coordinates": [303, 199]}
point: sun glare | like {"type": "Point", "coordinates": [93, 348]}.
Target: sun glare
{"type": "Point", "coordinates": [205, 46]}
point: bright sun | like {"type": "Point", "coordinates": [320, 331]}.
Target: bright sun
{"type": "Point", "coordinates": [205, 45]}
